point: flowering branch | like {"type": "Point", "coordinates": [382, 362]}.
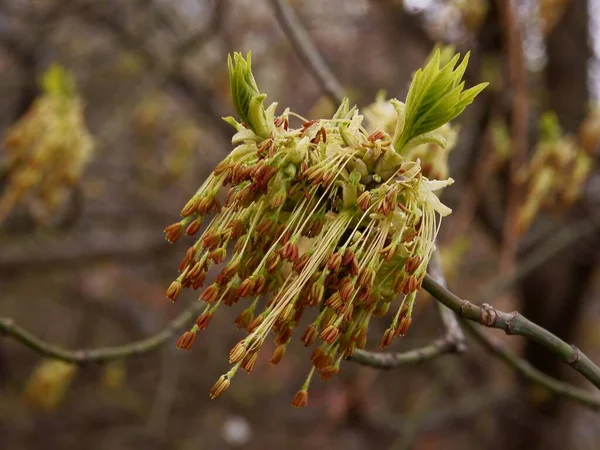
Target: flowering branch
{"type": "Point", "coordinates": [10, 329]}
{"type": "Point", "coordinates": [454, 338]}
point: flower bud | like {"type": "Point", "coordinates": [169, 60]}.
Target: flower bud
{"type": "Point", "coordinates": [387, 337]}
{"type": "Point", "coordinates": [174, 290]}
{"type": "Point", "coordinates": [330, 334]}
{"type": "Point", "coordinates": [210, 294]}
{"type": "Point", "coordinates": [309, 335]}
{"type": "Point", "coordinates": [238, 352]}
{"type": "Point", "coordinates": [249, 361]}
{"type": "Point", "coordinates": [193, 227]}
{"type": "Point", "coordinates": [328, 372]}
{"type": "Point", "coordinates": [300, 399]}
{"type": "Point", "coordinates": [186, 340]}
{"type": "Point", "coordinates": [220, 386]}
{"type": "Point", "coordinates": [335, 261]}
{"type": "Point", "coordinates": [173, 232]}
{"type": "Point", "coordinates": [203, 321]}
{"type": "Point", "coordinates": [278, 354]}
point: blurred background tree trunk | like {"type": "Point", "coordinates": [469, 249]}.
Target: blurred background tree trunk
{"type": "Point", "coordinates": [554, 295]}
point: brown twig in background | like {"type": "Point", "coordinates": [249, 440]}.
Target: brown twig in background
{"type": "Point", "coordinates": [453, 332]}
{"type": "Point", "coordinates": [307, 51]}
{"type": "Point", "coordinates": [525, 369]}
{"type": "Point", "coordinates": [519, 127]}
{"type": "Point", "coordinates": [390, 360]}
{"type": "Point", "coordinates": [544, 251]}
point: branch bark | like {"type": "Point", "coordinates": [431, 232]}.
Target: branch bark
{"type": "Point", "coordinates": [389, 360]}
{"type": "Point", "coordinates": [515, 323]}
{"type": "Point", "coordinates": [454, 333]}
{"type": "Point", "coordinates": [10, 329]}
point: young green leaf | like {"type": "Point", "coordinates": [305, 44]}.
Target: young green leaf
{"type": "Point", "coordinates": [246, 96]}
{"type": "Point", "coordinates": [435, 97]}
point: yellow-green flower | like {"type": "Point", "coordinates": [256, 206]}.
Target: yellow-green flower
{"type": "Point", "coordinates": [325, 216]}
{"type": "Point", "coordinates": [556, 174]}
{"type": "Point", "coordinates": [46, 151]}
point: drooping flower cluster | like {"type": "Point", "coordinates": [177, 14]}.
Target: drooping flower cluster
{"type": "Point", "coordinates": [326, 216]}
{"type": "Point", "coordinates": [555, 175]}
{"type": "Point", "coordinates": [44, 153]}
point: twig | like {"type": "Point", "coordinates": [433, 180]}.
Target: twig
{"type": "Point", "coordinates": [525, 369]}
{"type": "Point", "coordinates": [305, 49]}
{"type": "Point", "coordinates": [454, 333]}
{"type": "Point", "coordinates": [389, 360]}
{"type": "Point", "coordinates": [9, 328]}
{"type": "Point", "coordinates": [515, 323]}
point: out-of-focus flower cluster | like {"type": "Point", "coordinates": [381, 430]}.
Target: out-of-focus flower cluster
{"type": "Point", "coordinates": [45, 152]}
{"type": "Point", "coordinates": [48, 384]}
{"type": "Point", "coordinates": [326, 216]}
{"type": "Point", "coordinates": [555, 175]}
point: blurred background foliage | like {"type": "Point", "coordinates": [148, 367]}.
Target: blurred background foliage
{"type": "Point", "coordinates": [83, 260]}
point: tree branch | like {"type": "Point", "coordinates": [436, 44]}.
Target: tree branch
{"type": "Point", "coordinates": [515, 323]}
{"type": "Point", "coordinates": [388, 360]}
{"type": "Point", "coordinates": [9, 328]}
{"type": "Point", "coordinates": [525, 369]}
{"type": "Point", "coordinates": [454, 333]}
{"type": "Point", "coordinates": [307, 52]}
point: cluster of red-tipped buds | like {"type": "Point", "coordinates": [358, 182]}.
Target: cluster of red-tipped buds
{"type": "Point", "coordinates": [325, 217]}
